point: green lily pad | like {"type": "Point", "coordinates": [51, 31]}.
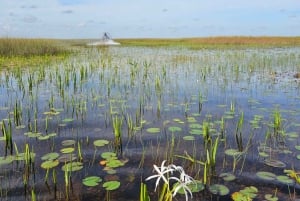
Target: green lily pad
{"type": "Point", "coordinates": [219, 189]}
{"type": "Point", "coordinates": [174, 129]}
{"type": "Point", "coordinates": [50, 156]}
{"type": "Point", "coordinates": [68, 142]}
{"type": "Point", "coordinates": [285, 179]}
{"type": "Point", "coordinates": [100, 143]}
{"type": "Point", "coordinates": [297, 147]}
{"type": "Point", "coordinates": [67, 150]}
{"type": "Point", "coordinates": [67, 158]}
{"type": "Point", "coordinates": [107, 155]}
{"type": "Point", "coordinates": [274, 163]}
{"type": "Point", "coordinates": [114, 163]}
{"type": "Point", "coordinates": [195, 187]}
{"type": "Point", "coordinates": [153, 130]}
{"type": "Point", "coordinates": [233, 152]}
{"type": "Point", "coordinates": [266, 175]}
{"type": "Point", "coordinates": [270, 197]}
{"type": "Point", "coordinates": [49, 164]}
{"type": "Point", "coordinates": [6, 160]}
{"type": "Point", "coordinates": [189, 138]}
{"type": "Point", "coordinates": [32, 135]}
{"type": "Point", "coordinates": [195, 126]}
{"type": "Point", "coordinates": [72, 166]}
{"type": "Point", "coordinates": [111, 185]}
{"type": "Point", "coordinates": [67, 120]}
{"type": "Point", "coordinates": [196, 132]}
{"type": "Point", "coordinates": [91, 181]}
{"type": "Point", "coordinates": [227, 176]}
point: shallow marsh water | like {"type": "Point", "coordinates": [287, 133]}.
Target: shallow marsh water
{"type": "Point", "coordinates": [172, 91]}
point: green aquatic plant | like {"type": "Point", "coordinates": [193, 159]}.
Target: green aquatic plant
{"type": "Point", "coordinates": [117, 131]}
{"type": "Point", "coordinates": [238, 133]}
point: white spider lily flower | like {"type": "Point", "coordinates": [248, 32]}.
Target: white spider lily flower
{"type": "Point", "coordinates": [161, 171]}
{"type": "Point", "coordinates": [182, 183]}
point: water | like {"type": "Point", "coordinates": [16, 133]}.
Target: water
{"type": "Point", "coordinates": [154, 88]}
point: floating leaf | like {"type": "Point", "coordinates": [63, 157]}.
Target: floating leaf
{"type": "Point", "coordinates": [100, 143]}
{"type": "Point", "coordinates": [153, 130]}
{"type": "Point", "coordinates": [266, 175]}
{"type": "Point", "coordinates": [218, 189]}
{"type": "Point", "coordinates": [49, 164]}
{"type": "Point", "coordinates": [107, 155]}
{"type": "Point", "coordinates": [297, 147]}
{"type": "Point", "coordinates": [50, 156]}
{"type": "Point", "coordinates": [5, 160]}
{"type": "Point", "coordinates": [67, 157]}
{"type": "Point", "coordinates": [189, 138]}
{"type": "Point", "coordinates": [67, 150]}
{"type": "Point", "coordinates": [68, 142]}
{"type": "Point", "coordinates": [91, 181]}
{"type": "Point", "coordinates": [72, 166]}
{"type": "Point", "coordinates": [174, 129]}
{"type": "Point", "coordinates": [111, 185]}
{"type": "Point", "coordinates": [195, 125]}
{"type": "Point", "coordinates": [114, 163]}
{"type": "Point", "coordinates": [233, 152]}
{"type": "Point", "coordinates": [196, 132]}
{"type": "Point", "coordinates": [67, 120]}
{"type": "Point", "coordinates": [195, 187]}
{"type": "Point", "coordinates": [274, 163]}
{"type": "Point", "coordinates": [270, 197]}
{"type": "Point", "coordinates": [285, 179]}
{"type": "Point", "coordinates": [227, 176]}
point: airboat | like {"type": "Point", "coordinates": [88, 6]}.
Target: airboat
{"type": "Point", "coordinates": [105, 41]}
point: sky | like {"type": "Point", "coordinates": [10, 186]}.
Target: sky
{"type": "Point", "coordinates": [148, 18]}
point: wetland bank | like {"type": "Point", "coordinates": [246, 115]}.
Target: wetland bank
{"type": "Point", "coordinates": [91, 126]}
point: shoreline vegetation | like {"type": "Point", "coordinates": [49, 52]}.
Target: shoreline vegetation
{"type": "Point", "coordinates": [22, 52]}
{"type": "Point", "coordinates": [217, 42]}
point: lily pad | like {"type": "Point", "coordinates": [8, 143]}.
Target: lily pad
{"type": "Point", "coordinates": [5, 160]}
{"type": "Point", "coordinates": [285, 179]}
{"type": "Point", "coordinates": [91, 181]}
{"type": "Point", "coordinates": [227, 176]}
{"type": "Point", "coordinates": [50, 156]}
{"type": "Point", "coordinates": [189, 138]}
{"type": "Point", "coordinates": [107, 155]}
{"type": "Point", "coordinates": [266, 175]}
{"type": "Point", "coordinates": [195, 187]}
{"type": "Point", "coordinates": [111, 185]}
{"type": "Point", "coordinates": [233, 152]}
{"type": "Point", "coordinates": [274, 163]}
{"type": "Point", "coordinates": [68, 142]}
{"type": "Point", "coordinates": [49, 164]}
{"type": "Point", "coordinates": [100, 143]}
{"type": "Point", "coordinates": [153, 130]}
{"type": "Point", "coordinates": [174, 129]}
{"type": "Point", "coordinates": [67, 150]}
{"type": "Point", "coordinates": [72, 166]}
{"type": "Point", "coordinates": [196, 132]}
{"type": "Point", "coordinates": [219, 189]}
{"type": "Point", "coordinates": [270, 197]}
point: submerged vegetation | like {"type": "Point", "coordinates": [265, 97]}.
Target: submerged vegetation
{"type": "Point", "coordinates": [94, 125]}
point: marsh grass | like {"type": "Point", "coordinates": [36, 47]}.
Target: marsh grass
{"type": "Point", "coordinates": [10, 47]}
{"type": "Point", "coordinates": [215, 42]}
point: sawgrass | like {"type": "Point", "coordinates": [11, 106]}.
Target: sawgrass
{"type": "Point", "coordinates": [215, 42]}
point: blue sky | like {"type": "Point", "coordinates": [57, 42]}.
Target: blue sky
{"type": "Point", "coordinates": [148, 18]}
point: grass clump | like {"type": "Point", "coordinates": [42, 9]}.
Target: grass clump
{"type": "Point", "coordinates": [10, 47]}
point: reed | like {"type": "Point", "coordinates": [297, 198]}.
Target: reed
{"type": "Point", "coordinates": [10, 47]}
